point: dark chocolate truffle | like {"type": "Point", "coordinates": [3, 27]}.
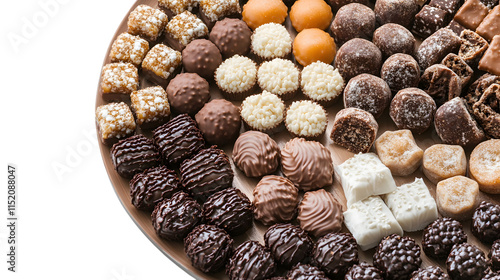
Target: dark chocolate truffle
{"type": "Point", "coordinates": [229, 209]}
{"type": "Point", "coordinates": [397, 257]}
{"type": "Point", "coordinates": [353, 21]}
{"type": "Point", "coordinates": [208, 247]}
{"type": "Point", "coordinates": [175, 217]}
{"type": "Point", "coordinates": [178, 139]}
{"type": "Point", "coordinates": [250, 261]}
{"type": "Point", "coordinates": [436, 47]}
{"type": "Point", "coordinates": [288, 244]}
{"type": "Point", "coordinates": [202, 57]}
{"type": "Point", "coordinates": [219, 121]}
{"type": "Point", "coordinates": [400, 71]}
{"type": "Point", "coordinates": [354, 129]}
{"type": "Point", "coordinates": [395, 11]}
{"type": "Point", "coordinates": [412, 109]}
{"type": "Point", "coordinates": [428, 273]}
{"type": "Point", "coordinates": [306, 272]}
{"type": "Point", "coordinates": [440, 236]}
{"type": "Point", "coordinates": [335, 253]}
{"type": "Point", "coordinates": [187, 93]}
{"type": "Point", "coordinates": [206, 173]}
{"type": "Point", "coordinates": [466, 262]}
{"type": "Point", "coordinates": [134, 155]}
{"type": "Point", "coordinates": [369, 93]}
{"type": "Point", "coordinates": [441, 83]}
{"type": "Point", "coordinates": [363, 271]}
{"type": "Point", "coordinates": [231, 36]}
{"type": "Point", "coordinates": [256, 154]}
{"type": "Point", "coordinates": [486, 222]}
{"type": "Point", "coordinates": [152, 186]}
{"type": "Point", "coordinates": [392, 38]}
{"type": "Point", "coordinates": [487, 110]}
{"type": "Point", "coordinates": [358, 56]}
{"type": "Point", "coordinates": [494, 255]}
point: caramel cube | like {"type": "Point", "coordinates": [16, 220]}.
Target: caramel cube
{"type": "Point", "coordinates": [147, 22]}
{"type": "Point", "coordinates": [150, 106]}
{"type": "Point", "coordinates": [114, 121]}
{"type": "Point", "coordinates": [471, 14]}
{"type": "Point", "coordinates": [160, 63]}
{"type": "Point", "coordinates": [490, 26]}
{"type": "Point", "coordinates": [129, 48]}
{"type": "Point", "coordinates": [183, 29]}
{"type": "Point", "coordinates": [118, 81]}
{"type": "Point", "coordinates": [491, 58]}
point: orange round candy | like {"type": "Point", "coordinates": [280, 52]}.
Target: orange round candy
{"type": "Point", "coordinates": [259, 12]}
{"type": "Point", "coordinates": [310, 14]}
{"type": "Point", "coordinates": [311, 45]}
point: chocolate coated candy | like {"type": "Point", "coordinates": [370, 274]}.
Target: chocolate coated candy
{"type": "Point", "coordinates": [134, 155]}
{"type": "Point", "coordinates": [219, 121]}
{"type": "Point", "coordinates": [436, 47]}
{"type": "Point", "coordinates": [288, 244]}
{"type": "Point", "coordinates": [430, 273]}
{"type": "Point", "coordinates": [334, 253]}
{"type": "Point", "coordinates": [441, 83]}
{"type": "Point", "coordinates": [494, 255]}
{"type": "Point", "coordinates": [397, 257]}
{"type": "Point", "coordinates": [486, 222]}
{"type": "Point", "coordinates": [487, 111]}
{"type": "Point", "coordinates": [364, 271]}
{"type": "Point", "coordinates": [152, 186]}
{"type": "Point", "coordinates": [412, 109]}
{"type": "Point", "coordinates": [440, 236]}
{"type": "Point", "coordinates": [231, 36]}
{"type": "Point", "coordinates": [466, 262]}
{"type": "Point", "coordinates": [201, 57]}
{"type": "Point", "coordinates": [187, 93]}
{"type": "Point", "coordinates": [250, 261]}
{"type": "Point", "coordinates": [306, 272]}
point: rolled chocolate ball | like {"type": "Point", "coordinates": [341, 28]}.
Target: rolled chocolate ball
{"type": "Point", "coordinates": [202, 57]}
{"type": "Point", "coordinates": [219, 121]}
{"type": "Point", "coordinates": [256, 154]}
{"type": "Point", "coordinates": [288, 244]}
{"type": "Point", "coordinates": [441, 83]}
{"type": "Point", "coordinates": [335, 253]}
{"type": "Point", "coordinates": [412, 109]}
{"type": "Point", "coordinates": [187, 93]}
{"type": "Point", "coordinates": [436, 47]}
{"type": "Point", "coordinates": [367, 92]}
{"type": "Point", "coordinates": [152, 186]}
{"type": "Point", "coordinates": [400, 71]}
{"type": "Point", "coordinates": [231, 36]}
{"type": "Point", "coordinates": [401, 12]}
{"type": "Point", "coordinates": [358, 56]}
{"type": "Point", "coordinates": [250, 261]}
{"type": "Point", "coordinates": [353, 21]}
{"type": "Point", "coordinates": [134, 155]}
{"type": "Point", "coordinates": [392, 38]}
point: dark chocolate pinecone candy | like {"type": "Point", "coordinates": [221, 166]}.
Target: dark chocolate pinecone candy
{"type": "Point", "coordinates": [466, 262]}
{"type": "Point", "coordinates": [134, 155]}
{"type": "Point", "coordinates": [494, 255]}
{"type": "Point", "coordinates": [430, 273]}
{"type": "Point", "coordinates": [178, 139]}
{"type": "Point", "coordinates": [335, 253]}
{"type": "Point", "coordinates": [208, 247]}
{"type": "Point", "coordinates": [440, 236]}
{"type": "Point", "coordinates": [206, 173]}
{"type": "Point", "coordinates": [229, 209]}
{"type": "Point", "coordinates": [397, 257]}
{"type": "Point", "coordinates": [289, 244]}
{"type": "Point", "coordinates": [364, 271]}
{"type": "Point", "coordinates": [152, 186]}
{"type": "Point", "coordinates": [306, 272]}
{"type": "Point", "coordinates": [174, 218]}
{"type": "Point", "coordinates": [486, 222]}
{"type": "Point", "coordinates": [250, 261]}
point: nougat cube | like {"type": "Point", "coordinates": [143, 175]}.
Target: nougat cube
{"type": "Point", "coordinates": [399, 152]}
{"type": "Point", "coordinates": [129, 49]}
{"type": "Point", "coordinates": [118, 81]}
{"type": "Point", "coordinates": [114, 122]}
{"type": "Point", "coordinates": [160, 64]}
{"type": "Point", "coordinates": [147, 22]}
{"type": "Point", "coordinates": [429, 20]}
{"type": "Point", "coordinates": [184, 28]}
{"type": "Point", "coordinates": [175, 7]}
{"type": "Point", "coordinates": [150, 106]}
{"type": "Point", "coordinates": [214, 10]}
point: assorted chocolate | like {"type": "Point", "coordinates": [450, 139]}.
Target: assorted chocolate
{"type": "Point", "coordinates": [397, 257]}
{"type": "Point", "coordinates": [134, 155]}
{"type": "Point", "coordinates": [439, 237]}
{"type": "Point", "coordinates": [335, 253]}
{"type": "Point", "coordinates": [152, 186]}
{"type": "Point", "coordinates": [466, 262]}
{"type": "Point", "coordinates": [288, 244]}
{"type": "Point", "coordinates": [250, 260]}
{"type": "Point", "coordinates": [275, 199]}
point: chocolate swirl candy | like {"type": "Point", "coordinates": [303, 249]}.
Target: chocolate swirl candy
{"type": "Point", "coordinates": [152, 186]}
{"type": "Point", "coordinates": [134, 155]}
{"type": "Point", "coordinates": [289, 244]}
{"type": "Point", "coordinates": [306, 272]}
{"type": "Point", "coordinates": [208, 247]}
{"type": "Point", "coordinates": [256, 154]}
{"type": "Point", "coordinates": [335, 253]}
{"type": "Point", "coordinates": [174, 218]}
{"type": "Point", "coordinates": [250, 261]}
{"type": "Point", "coordinates": [320, 213]}
{"type": "Point", "coordinates": [307, 164]}
{"type": "Point", "coordinates": [275, 199]}
{"type": "Point", "coordinates": [229, 209]}
{"type": "Point", "coordinates": [206, 173]}
{"type": "Point", "coordinates": [178, 139]}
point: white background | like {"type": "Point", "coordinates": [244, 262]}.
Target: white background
{"type": "Point", "coordinates": [71, 224]}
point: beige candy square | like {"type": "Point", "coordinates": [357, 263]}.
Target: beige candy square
{"type": "Point", "coordinates": [150, 106]}
{"type": "Point", "coordinates": [485, 165]}
{"type": "Point", "coordinates": [114, 121]}
{"type": "Point", "coordinates": [398, 151]}
{"type": "Point", "coordinates": [457, 197]}
{"type": "Point", "coordinates": [442, 161]}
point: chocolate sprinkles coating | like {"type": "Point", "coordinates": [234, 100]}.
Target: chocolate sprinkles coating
{"type": "Point", "coordinates": [152, 186]}
{"type": "Point", "coordinates": [288, 244]}
{"type": "Point", "coordinates": [134, 155]}
{"type": "Point", "coordinates": [250, 261]}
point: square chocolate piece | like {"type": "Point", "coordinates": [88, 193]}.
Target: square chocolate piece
{"type": "Point", "coordinates": [471, 14]}
{"type": "Point", "coordinates": [118, 81]}
{"type": "Point", "coordinates": [160, 64]}
{"type": "Point", "coordinates": [114, 122]}
{"type": "Point", "coordinates": [449, 6]}
{"type": "Point", "coordinates": [459, 66]}
{"type": "Point", "coordinates": [184, 28]}
{"type": "Point", "coordinates": [428, 20]}
{"type": "Point", "coordinates": [129, 48]}
{"type": "Point", "coordinates": [214, 10]}
{"type": "Point", "coordinates": [175, 7]}
{"type": "Point", "coordinates": [491, 58]}
{"type": "Point", "coordinates": [490, 26]}
{"type": "Point", "coordinates": [472, 48]}
{"type": "Point", "coordinates": [147, 22]}
{"type": "Point", "coordinates": [150, 107]}
{"type": "Point", "coordinates": [456, 27]}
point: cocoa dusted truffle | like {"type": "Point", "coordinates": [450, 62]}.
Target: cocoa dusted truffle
{"type": "Point", "coordinates": [231, 36]}
{"type": "Point", "coordinates": [440, 83]}
{"type": "Point", "coordinates": [250, 261]}
{"type": "Point", "coordinates": [430, 272]}
{"type": "Point", "coordinates": [354, 129]}
{"type": "Point", "coordinates": [187, 93]}
{"type": "Point", "coordinates": [178, 139]}
{"type": "Point", "coordinates": [440, 236]}
{"type": "Point", "coordinates": [219, 121]}
{"type": "Point", "coordinates": [369, 93]}
{"type": "Point", "coordinates": [320, 213]}
{"type": "Point", "coordinates": [229, 209]}
{"type": "Point", "coordinates": [392, 38]}
{"type": "Point", "coordinates": [174, 218]}
{"type": "Point", "coordinates": [466, 262]}
{"type": "Point", "coordinates": [358, 56]}
{"type": "Point", "coordinates": [306, 272]}
{"type": "Point", "coordinates": [486, 222]}
{"type": "Point", "coordinates": [335, 253]}
{"type": "Point", "coordinates": [208, 247]}
{"type": "Point", "coordinates": [256, 154]}
{"type": "Point", "coordinates": [400, 71]}
{"type": "Point", "coordinates": [395, 11]}
{"type": "Point", "coordinates": [412, 109]}
{"type": "Point", "coordinates": [202, 57]}
{"type": "Point", "coordinates": [152, 186]}
{"type": "Point", "coordinates": [363, 271]}
{"type": "Point", "coordinates": [436, 47]}
{"type": "Point", "coordinates": [206, 173]}
{"type": "Point", "coordinates": [288, 244]}
{"type": "Point", "coordinates": [353, 21]}
{"type": "Point", "coordinates": [397, 257]}
{"type": "Point", "coordinates": [134, 155]}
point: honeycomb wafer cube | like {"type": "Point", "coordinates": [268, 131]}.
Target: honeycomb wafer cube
{"type": "Point", "coordinates": [114, 121]}
{"type": "Point", "coordinates": [129, 48]}
{"type": "Point", "coordinates": [147, 22]}
{"type": "Point", "coordinates": [118, 81]}
{"type": "Point", "coordinates": [150, 106]}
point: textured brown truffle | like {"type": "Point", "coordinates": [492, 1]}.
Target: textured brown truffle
{"type": "Point", "coordinates": [219, 121]}
{"type": "Point", "coordinates": [396, 11]}
{"type": "Point", "coordinates": [358, 56]}
{"type": "Point", "coordinates": [334, 253]}
{"type": "Point", "coordinates": [392, 38]}
{"type": "Point", "coordinates": [353, 21]}
{"type": "Point", "coordinates": [441, 83]}
{"type": "Point", "coordinates": [337, 4]}
{"type": "Point", "coordinates": [397, 257]}
{"type": "Point", "coordinates": [275, 200]}
{"type": "Point", "coordinates": [231, 36]}
{"type": "Point", "coordinates": [306, 272]}
{"type": "Point", "coordinates": [201, 57]}
{"type": "Point", "coordinates": [400, 71]}
{"type": "Point", "coordinates": [288, 244]}
{"type": "Point", "coordinates": [152, 186]}
{"type": "Point", "coordinates": [250, 261]}
{"type": "Point", "coordinates": [354, 129]}
{"type": "Point", "coordinates": [472, 48]}
{"type": "Point", "coordinates": [134, 155]}
{"type": "Point", "coordinates": [369, 93]}
{"type": "Point", "coordinates": [187, 93]}
{"type": "Point", "coordinates": [412, 109]}
{"type": "Point", "coordinates": [436, 47]}
{"type": "Point", "coordinates": [256, 154]}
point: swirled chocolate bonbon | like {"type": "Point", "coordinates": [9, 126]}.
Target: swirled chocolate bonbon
{"type": "Point", "coordinates": [320, 213]}
{"type": "Point", "coordinates": [229, 209]}
{"type": "Point", "coordinates": [288, 244]}
{"type": "Point", "coordinates": [208, 247]}
{"type": "Point", "coordinates": [250, 261]}
{"type": "Point", "coordinates": [275, 200]}
{"type": "Point", "coordinates": [178, 139]}
{"type": "Point", "coordinates": [206, 173]}
{"type": "Point", "coordinates": [308, 164]}
{"type": "Point", "coordinates": [256, 154]}
{"type": "Point", "coordinates": [133, 155]}
{"type": "Point", "coordinates": [152, 186]}
{"type": "Point", "coordinates": [335, 253]}
{"type": "Point", "coordinates": [174, 218]}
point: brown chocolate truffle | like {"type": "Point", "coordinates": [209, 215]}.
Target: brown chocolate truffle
{"type": "Point", "coordinates": [440, 83]}
{"type": "Point", "coordinates": [353, 21]}
{"type": "Point", "coordinates": [400, 71]}
{"type": "Point", "coordinates": [134, 155]}
{"type": "Point", "coordinates": [201, 57]}
{"type": "Point", "coordinates": [392, 38]}
{"type": "Point", "coordinates": [306, 272]}
{"type": "Point", "coordinates": [479, 86]}
{"type": "Point", "coordinates": [256, 154]}
{"type": "Point", "coordinates": [250, 261]}
{"type": "Point", "coordinates": [367, 92]}
{"type": "Point", "coordinates": [335, 253]}
{"type": "Point", "coordinates": [219, 121]}
{"type": "Point", "coordinates": [187, 93]}
{"type": "Point", "coordinates": [395, 11]}
{"type": "Point", "coordinates": [152, 186]}
{"type": "Point", "coordinates": [231, 36]}
{"type": "Point", "coordinates": [412, 109]}
{"type": "Point", "coordinates": [320, 213]}
{"type": "Point", "coordinates": [288, 244]}
{"type": "Point", "coordinates": [436, 47]}
{"type": "Point", "coordinates": [358, 56]}
{"type": "Point", "coordinates": [354, 129]}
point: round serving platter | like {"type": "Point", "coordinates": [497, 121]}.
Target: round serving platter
{"type": "Point", "coordinates": [175, 250]}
